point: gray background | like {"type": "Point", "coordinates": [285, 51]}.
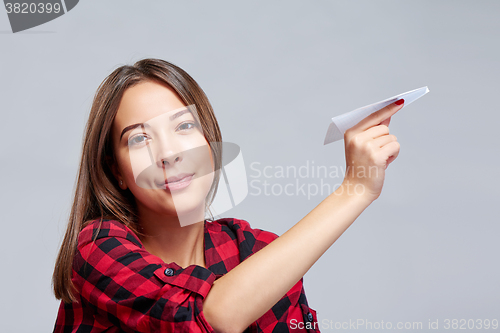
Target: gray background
{"type": "Point", "coordinates": [276, 72]}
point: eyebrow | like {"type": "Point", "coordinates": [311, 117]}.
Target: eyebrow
{"type": "Point", "coordinates": [131, 127]}
{"type": "Point", "coordinates": [178, 114]}
{"type": "Point", "coordinates": [172, 117]}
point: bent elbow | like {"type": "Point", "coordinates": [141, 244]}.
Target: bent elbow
{"type": "Point", "coordinates": [223, 323]}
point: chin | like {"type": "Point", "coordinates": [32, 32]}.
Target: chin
{"type": "Point", "coordinates": [190, 202]}
{"type": "Point", "coordinates": [190, 198]}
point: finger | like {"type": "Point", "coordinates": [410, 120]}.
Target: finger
{"type": "Point", "coordinates": [377, 117]}
{"type": "Point", "coordinates": [374, 132]}
{"type": "Point", "coordinates": [383, 140]}
{"type": "Point", "coordinates": [391, 150]}
{"type": "Point", "coordinates": [386, 122]}
{"type": "Point", "coordinates": [390, 160]}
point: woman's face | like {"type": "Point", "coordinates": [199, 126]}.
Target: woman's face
{"type": "Point", "coordinates": [161, 153]}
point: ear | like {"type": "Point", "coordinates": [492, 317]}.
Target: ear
{"type": "Point", "coordinates": [116, 172]}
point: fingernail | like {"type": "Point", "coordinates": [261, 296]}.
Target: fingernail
{"type": "Point", "coordinates": [401, 101]}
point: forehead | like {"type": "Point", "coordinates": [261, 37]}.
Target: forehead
{"type": "Point", "coordinates": [145, 101]}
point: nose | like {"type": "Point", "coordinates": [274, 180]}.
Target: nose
{"type": "Point", "coordinates": [168, 151]}
{"type": "Point", "coordinates": [170, 160]}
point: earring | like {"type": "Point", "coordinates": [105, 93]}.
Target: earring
{"type": "Point", "coordinates": [121, 182]}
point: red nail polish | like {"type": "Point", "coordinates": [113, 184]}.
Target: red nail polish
{"type": "Point", "coordinates": [401, 101]}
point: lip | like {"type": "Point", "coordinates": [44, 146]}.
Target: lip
{"type": "Point", "coordinates": [178, 177]}
{"type": "Point", "coordinates": [177, 182]}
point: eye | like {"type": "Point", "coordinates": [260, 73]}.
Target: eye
{"type": "Point", "coordinates": [186, 126]}
{"type": "Point", "coordinates": [137, 140]}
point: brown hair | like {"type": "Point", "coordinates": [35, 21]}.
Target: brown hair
{"type": "Point", "coordinates": [97, 195]}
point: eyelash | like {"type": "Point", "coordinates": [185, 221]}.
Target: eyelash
{"type": "Point", "coordinates": [143, 135]}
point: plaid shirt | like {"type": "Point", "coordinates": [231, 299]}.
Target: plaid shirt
{"type": "Point", "coordinates": [123, 288]}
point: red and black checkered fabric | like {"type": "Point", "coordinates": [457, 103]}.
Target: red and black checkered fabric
{"type": "Point", "coordinates": [121, 287]}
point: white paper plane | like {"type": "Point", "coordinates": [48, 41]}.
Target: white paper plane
{"type": "Point", "coordinates": [342, 123]}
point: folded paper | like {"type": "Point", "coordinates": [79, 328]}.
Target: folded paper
{"type": "Point", "coordinates": [342, 123]}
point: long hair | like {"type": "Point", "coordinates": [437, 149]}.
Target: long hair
{"type": "Point", "coordinates": [97, 195]}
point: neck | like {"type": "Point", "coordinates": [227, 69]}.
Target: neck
{"type": "Point", "coordinates": [165, 237]}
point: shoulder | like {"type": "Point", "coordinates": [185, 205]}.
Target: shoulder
{"type": "Point", "coordinates": [106, 247]}
{"type": "Point", "coordinates": [248, 239]}
{"type": "Point", "coordinates": [105, 228]}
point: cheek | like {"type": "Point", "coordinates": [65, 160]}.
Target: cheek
{"type": "Point", "coordinates": [139, 161]}
{"type": "Point", "coordinates": [124, 165]}
{"type": "Point", "coordinates": [204, 160]}
{"type": "Point", "coordinates": [208, 169]}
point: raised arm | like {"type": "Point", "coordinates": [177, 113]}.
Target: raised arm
{"type": "Point", "coordinates": [249, 290]}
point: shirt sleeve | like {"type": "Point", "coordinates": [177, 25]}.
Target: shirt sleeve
{"type": "Point", "coordinates": [292, 312]}
{"type": "Point", "coordinates": [130, 288]}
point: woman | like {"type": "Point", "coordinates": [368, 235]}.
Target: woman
{"type": "Point", "coordinates": [138, 254]}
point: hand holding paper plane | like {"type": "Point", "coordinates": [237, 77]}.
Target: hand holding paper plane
{"type": "Point", "coordinates": [342, 123]}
